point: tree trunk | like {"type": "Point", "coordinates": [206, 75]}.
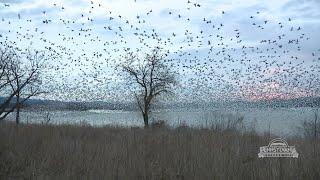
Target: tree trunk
{"type": "Point", "coordinates": [18, 110]}
{"type": "Point", "coordinates": [146, 119]}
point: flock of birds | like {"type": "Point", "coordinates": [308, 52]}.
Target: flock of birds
{"type": "Point", "coordinates": [216, 60]}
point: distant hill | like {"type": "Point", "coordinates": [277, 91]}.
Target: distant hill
{"type": "Point", "coordinates": [77, 106]}
{"type": "Point", "coordinates": [32, 104]}
{"type": "Point", "coordinates": [276, 103]}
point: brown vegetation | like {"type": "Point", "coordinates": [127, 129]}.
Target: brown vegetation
{"type": "Point", "coordinates": [83, 152]}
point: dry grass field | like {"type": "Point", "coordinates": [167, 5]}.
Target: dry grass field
{"type": "Point", "coordinates": [84, 152]}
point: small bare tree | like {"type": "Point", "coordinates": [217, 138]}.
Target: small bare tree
{"type": "Point", "coordinates": [21, 79]}
{"type": "Point", "coordinates": [151, 77]}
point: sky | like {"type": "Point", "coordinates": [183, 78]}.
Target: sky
{"type": "Point", "coordinates": [221, 49]}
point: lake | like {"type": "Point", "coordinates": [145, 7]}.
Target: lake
{"type": "Point", "coordinates": [282, 121]}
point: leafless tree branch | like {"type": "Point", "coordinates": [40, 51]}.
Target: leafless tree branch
{"type": "Point", "coordinates": [20, 77]}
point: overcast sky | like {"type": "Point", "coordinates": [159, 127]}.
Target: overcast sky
{"type": "Point", "coordinates": [89, 38]}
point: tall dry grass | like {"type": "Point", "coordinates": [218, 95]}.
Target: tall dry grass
{"type": "Point", "coordinates": [83, 152]}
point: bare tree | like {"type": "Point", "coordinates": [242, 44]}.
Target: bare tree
{"type": "Point", "coordinates": [151, 77]}
{"type": "Point", "coordinates": [6, 55]}
{"type": "Point", "coordinates": [21, 79]}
